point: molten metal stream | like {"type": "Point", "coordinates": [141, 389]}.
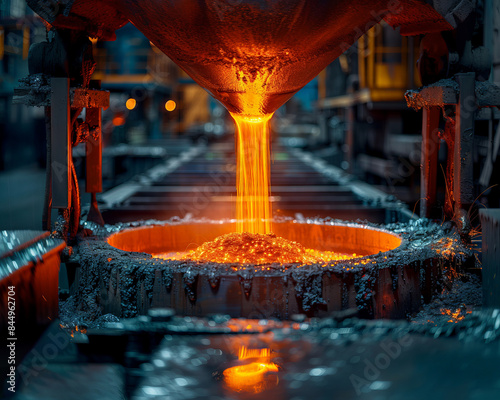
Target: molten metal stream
{"type": "Point", "coordinates": [253, 209]}
{"type": "Point", "coordinates": [253, 68]}
{"type": "Point", "coordinates": [254, 242]}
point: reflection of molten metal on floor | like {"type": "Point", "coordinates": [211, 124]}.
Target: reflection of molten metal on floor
{"type": "Point", "coordinates": [254, 376]}
{"type": "Point", "coordinates": [247, 248]}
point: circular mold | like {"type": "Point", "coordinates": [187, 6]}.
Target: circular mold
{"type": "Point", "coordinates": [341, 238]}
{"type": "Point", "coordinates": [398, 267]}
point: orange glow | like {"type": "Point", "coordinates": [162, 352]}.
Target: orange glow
{"type": "Point", "coordinates": [245, 353]}
{"type": "Point", "coordinates": [254, 376]}
{"type": "Point", "coordinates": [118, 120]}
{"type": "Point", "coordinates": [130, 104]}
{"type": "Point", "coordinates": [457, 315]}
{"type": "Point", "coordinates": [253, 209]}
{"type": "Point", "coordinates": [247, 248]}
{"type": "Point", "coordinates": [170, 105]}
{"type": "Point", "coordinates": [247, 325]}
{"type": "Point", "coordinates": [74, 330]}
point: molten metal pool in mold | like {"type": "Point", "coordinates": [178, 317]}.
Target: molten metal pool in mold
{"type": "Point", "coordinates": [398, 267]}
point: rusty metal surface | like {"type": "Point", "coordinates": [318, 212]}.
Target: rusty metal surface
{"type": "Point", "coordinates": [220, 44]}
{"type": "Point", "coordinates": [413, 17]}
{"type": "Point", "coordinates": [103, 17]}
{"type": "Point", "coordinates": [447, 91]}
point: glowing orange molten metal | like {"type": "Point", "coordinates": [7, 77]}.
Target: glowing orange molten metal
{"type": "Point", "coordinates": [253, 210]}
{"type": "Point", "coordinates": [247, 248]}
{"type": "Point", "coordinates": [252, 377]}
{"type": "Point", "coordinates": [456, 315]}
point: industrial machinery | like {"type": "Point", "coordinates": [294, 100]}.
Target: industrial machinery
{"type": "Point", "coordinates": [150, 316]}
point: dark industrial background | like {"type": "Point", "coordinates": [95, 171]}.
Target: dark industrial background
{"type": "Point", "coordinates": [384, 137]}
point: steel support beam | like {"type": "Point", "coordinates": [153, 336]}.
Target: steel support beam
{"type": "Point", "coordinates": [93, 150]}
{"type": "Point", "coordinates": [463, 162]}
{"type": "Point", "coordinates": [60, 162]}
{"type": "Point", "coordinates": [429, 160]}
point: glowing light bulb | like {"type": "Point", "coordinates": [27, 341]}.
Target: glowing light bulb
{"type": "Point", "coordinates": [130, 104]}
{"type": "Point", "coordinates": [170, 105]}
